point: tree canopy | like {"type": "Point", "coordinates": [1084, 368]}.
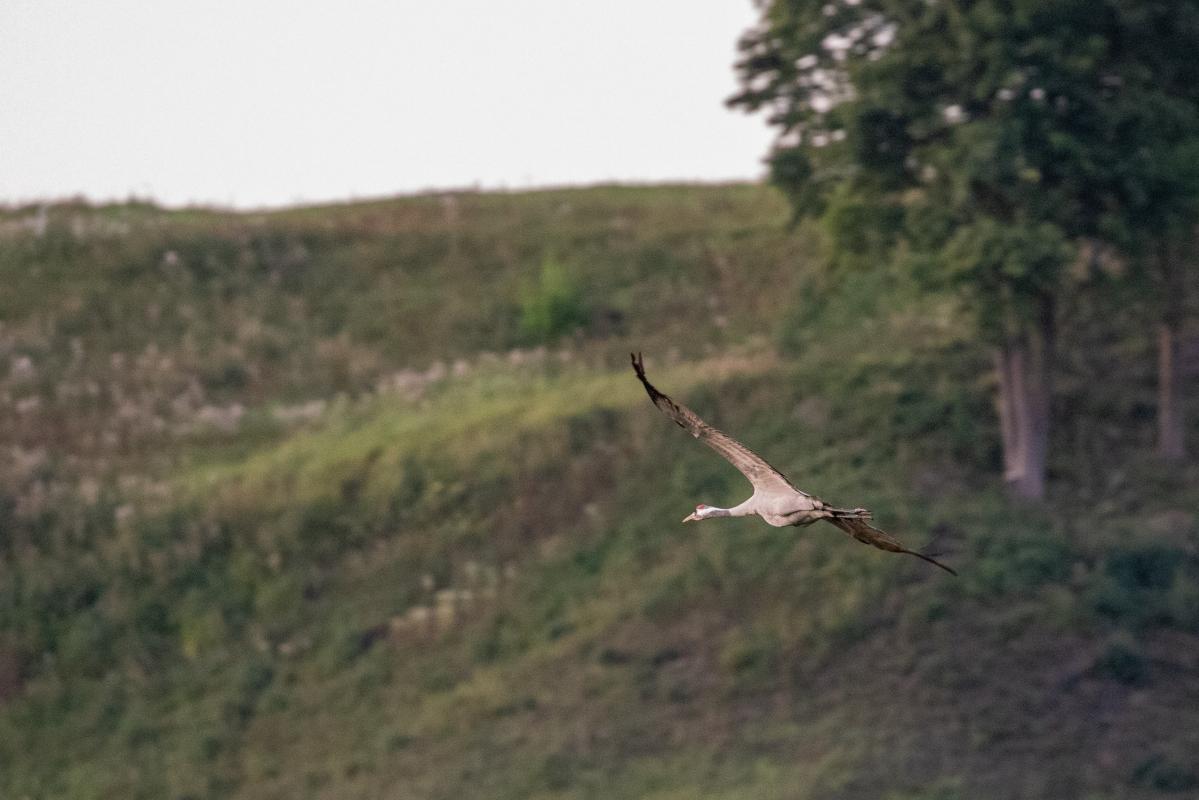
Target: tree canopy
{"type": "Point", "coordinates": [1080, 115]}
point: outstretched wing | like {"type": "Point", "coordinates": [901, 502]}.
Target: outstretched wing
{"type": "Point", "coordinates": [765, 478]}
{"type": "Point", "coordinates": [866, 533]}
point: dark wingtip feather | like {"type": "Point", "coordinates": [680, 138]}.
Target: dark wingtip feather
{"type": "Point", "coordinates": [638, 364]}
{"type": "Point", "coordinates": [933, 561]}
{"type": "Point", "coordinates": [639, 368]}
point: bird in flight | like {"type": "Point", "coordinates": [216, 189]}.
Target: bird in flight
{"type": "Point", "coordinates": [775, 499]}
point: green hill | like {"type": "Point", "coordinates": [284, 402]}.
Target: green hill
{"type": "Point", "coordinates": [364, 501]}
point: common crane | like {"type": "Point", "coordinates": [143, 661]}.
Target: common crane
{"type": "Point", "coordinates": [775, 499]}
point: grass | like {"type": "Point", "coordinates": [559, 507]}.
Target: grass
{"type": "Point", "coordinates": [473, 581]}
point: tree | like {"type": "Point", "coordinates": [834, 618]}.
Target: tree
{"type": "Point", "coordinates": [1171, 422]}
{"type": "Point", "coordinates": [1163, 195]}
{"type": "Point", "coordinates": [1005, 132]}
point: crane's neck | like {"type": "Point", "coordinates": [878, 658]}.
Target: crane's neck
{"type": "Point", "coordinates": [712, 511]}
{"type": "Point", "coordinates": [742, 510]}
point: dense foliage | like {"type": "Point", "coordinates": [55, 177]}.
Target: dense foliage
{"type": "Point", "coordinates": [1001, 142]}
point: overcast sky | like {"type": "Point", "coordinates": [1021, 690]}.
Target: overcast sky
{"type": "Point", "coordinates": [269, 102]}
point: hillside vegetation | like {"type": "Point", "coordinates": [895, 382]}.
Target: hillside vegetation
{"type": "Point", "coordinates": [364, 501]}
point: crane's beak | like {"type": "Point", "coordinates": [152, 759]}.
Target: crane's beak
{"type": "Point", "coordinates": [692, 517]}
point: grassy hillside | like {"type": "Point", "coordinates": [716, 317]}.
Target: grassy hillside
{"type": "Point", "coordinates": [364, 501]}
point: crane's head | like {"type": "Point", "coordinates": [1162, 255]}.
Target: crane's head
{"type": "Point", "coordinates": [701, 511]}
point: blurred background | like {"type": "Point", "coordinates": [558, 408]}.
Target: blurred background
{"type": "Point", "coordinates": [323, 473]}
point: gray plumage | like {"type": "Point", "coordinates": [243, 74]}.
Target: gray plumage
{"type": "Point", "coordinates": [775, 499]}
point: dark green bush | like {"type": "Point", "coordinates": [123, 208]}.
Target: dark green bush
{"type": "Point", "coordinates": [1140, 585]}
{"type": "Point", "coordinates": [1124, 663]}
{"type": "Point", "coordinates": [1147, 568]}
{"type": "Point", "coordinates": [1165, 775]}
{"type": "Point", "coordinates": [553, 305]}
{"type": "Point", "coordinates": [1018, 561]}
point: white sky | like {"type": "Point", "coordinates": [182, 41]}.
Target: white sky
{"type": "Point", "coordinates": [268, 102]}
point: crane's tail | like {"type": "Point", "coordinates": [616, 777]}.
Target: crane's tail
{"type": "Point", "coordinates": [858, 528]}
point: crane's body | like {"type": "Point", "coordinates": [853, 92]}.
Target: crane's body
{"type": "Point", "coordinates": [775, 499]}
{"type": "Point", "coordinates": [781, 511]}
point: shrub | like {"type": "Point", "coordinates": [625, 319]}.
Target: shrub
{"type": "Point", "coordinates": [1140, 585]}
{"type": "Point", "coordinates": [552, 306]}
{"type": "Point", "coordinates": [1123, 663]}
{"type": "Point", "coordinates": [1165, 775]}
{"type": "Point", "coordinates": [1144, 568]}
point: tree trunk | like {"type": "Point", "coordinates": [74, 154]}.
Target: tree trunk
{"type": "Point", "coordinates": [1171, 423]}
{"type": "Point", "coordinates": [1024, 366]}
{"type": "Point", "coordinates": [10, 671]}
